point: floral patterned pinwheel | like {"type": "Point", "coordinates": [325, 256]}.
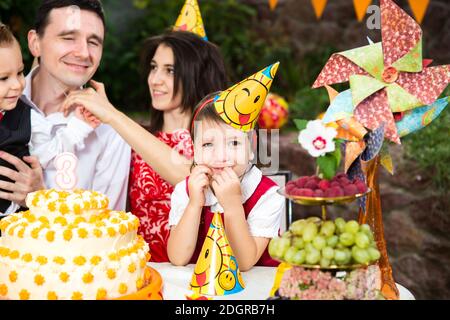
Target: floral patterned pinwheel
{"type": "Point", "coordinates": [387, 77]}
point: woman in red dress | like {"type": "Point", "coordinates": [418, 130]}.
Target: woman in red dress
{"type": "Point", "coordinates": [182, 68]}
{"type": "Point", "coordinates": [150, 194]}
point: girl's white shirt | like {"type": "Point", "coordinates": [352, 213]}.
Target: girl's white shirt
{"type": "Point", "coordinates": [264, 219]}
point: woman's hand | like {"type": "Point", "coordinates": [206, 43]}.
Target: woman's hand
{"type": "Point", "coordinates": [198, 183]}
{"type": "Point", "coordinates": [227, 188]}
{"type": "Point", "coordinates": [84, 115]}
{"type": "Point", "coordinates": [93, 100]}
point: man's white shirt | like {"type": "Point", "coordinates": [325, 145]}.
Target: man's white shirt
{"type": "Point", "coordinates": [103, 156]}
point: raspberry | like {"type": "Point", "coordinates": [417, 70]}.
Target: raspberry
{"type": "Point", "coordinates": [290, 188]}
{"type": "Point", "coordinates": [337, 192]}
{"type": "Point", "coordinates": [340, 175]}
{"type": "Point", "coordinates": [319, 193]}
{"type": "Point", "coordinates": [350, 190]}
{"type": "Point", "coordinates": [315, 178]}
{"type": "Point", "coordinates": [335, 184]}
{"type": "Point", "coordinates": [294, 191]}
{"type": "Point", "coordinates": [300, 182]}
{"type": "Point", "coordinates": [344, 181]}
{"type": "Point", "coordinates": [311, 184]}
{"type": "Point", "coordinates": [306, 192]}
{"type": "Point", "coordinates": [324, 185]}
{"type": "Point", "coordinates": [361, 187]}
{"type": "Point", "coordinates": [329, 193]}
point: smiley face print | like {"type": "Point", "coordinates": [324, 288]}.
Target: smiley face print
{"type": "Point", "coordinates": [216, 271]}
{"type": "Point", "coordinates": [190, 19]}
{"type": "Point", "coordinates": [240, 105]}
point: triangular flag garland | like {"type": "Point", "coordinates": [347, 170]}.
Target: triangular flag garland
{"type": "Point", "coordinates": [273, 4]}
{"type": "Point", "coordinates": [319, 7]}
{"type": "Point", "coordinates": [419, 7]}
{"type": "Point", "coordinates": [361, 8]}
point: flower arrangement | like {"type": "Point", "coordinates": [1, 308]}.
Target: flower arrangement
{"type": "Point", "coordinates": [312, 284]}
{"type": "Point", "coordinates": [321, 143]}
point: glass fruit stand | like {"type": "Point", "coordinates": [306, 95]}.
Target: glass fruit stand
{"type": "Point", "coordinates": [340, 250]}
{"type": "Point", "coordinates": [331, 239]}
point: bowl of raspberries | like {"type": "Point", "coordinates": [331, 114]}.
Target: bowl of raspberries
{"type": "Point", "coordinates": [313, 189]}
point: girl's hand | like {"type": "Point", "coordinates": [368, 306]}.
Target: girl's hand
{"type": "Point", "coordinates": [93, 100]}
{"type": "Point", "coordinates": [198, 183]}
{"type": "Point", "coordinates": [227, 188]}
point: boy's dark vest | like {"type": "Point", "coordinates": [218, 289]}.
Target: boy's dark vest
{"type": "Point", "coordinates": [15, 132]}
{"type": "Point", "coordinates": [207, 216]}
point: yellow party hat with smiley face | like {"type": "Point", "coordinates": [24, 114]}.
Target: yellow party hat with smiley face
{"type": "Point", "coordinates": [190, 19]}
{"type": "Point", "coordinates": [216, 272]}
{"type": "Point", "coordinates": [240, 105]}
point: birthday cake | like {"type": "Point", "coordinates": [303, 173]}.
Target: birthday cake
{"type": "Point", "coordinates": [69, 245]}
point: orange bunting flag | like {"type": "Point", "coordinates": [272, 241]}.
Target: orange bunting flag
{"type": "Point", "coordinates": [319, 6]}
{"type": "Point", "coordinates": [361, 8]}
{"type": "Point", "coordinates": [273, 4]}
{"type": "Point", "coordinates": [419, 7]}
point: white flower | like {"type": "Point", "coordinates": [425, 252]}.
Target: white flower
{"type": "Point", "coordinates": [317, 138]}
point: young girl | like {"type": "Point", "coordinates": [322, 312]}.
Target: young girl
{"type": "Point", "coordinates": [224, 180]}
{"type": "Point", "coordinates": [181, 69]}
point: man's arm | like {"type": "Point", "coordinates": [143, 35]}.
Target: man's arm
{"type": "Point", "coordinates": [25, 180]}
{"type": "Point", "coordinates": [113, 168]}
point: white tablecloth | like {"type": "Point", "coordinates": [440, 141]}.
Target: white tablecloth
{"type": "Point", "coordinates": [258, 283]}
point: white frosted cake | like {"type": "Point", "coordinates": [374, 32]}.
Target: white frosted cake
{"type": "Point", "coordinates": [69, 245]}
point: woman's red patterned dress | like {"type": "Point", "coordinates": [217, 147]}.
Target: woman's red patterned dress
{"type": "Point", "coordinates": [150, 195]}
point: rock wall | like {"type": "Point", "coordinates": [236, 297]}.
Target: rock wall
{"type": "Point", "coordinates": [416, 220]}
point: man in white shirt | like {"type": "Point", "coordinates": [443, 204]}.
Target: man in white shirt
{"type": "Point", "coordinates": [68, 41]}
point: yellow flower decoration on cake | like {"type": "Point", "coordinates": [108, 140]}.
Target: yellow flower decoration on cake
{"type": "Point", "coordinates": [24, 295]}
{"type": "Point", "coordinates": [190, 19]}
{"type": "Point", "coordinates": [64, 277]}
{"type": "Point", "coordinates": [101, 294]}
{"type": "Point", "coordinates": [13, 276]}
{"type": "Point", "coordinates": [52, 296]}
{"type": "Point", "coordinates": [3, 290]}
{"type": "Point", "coordinates": [240, 105]}
{"type": "Point", "coordinates": [77, 296]}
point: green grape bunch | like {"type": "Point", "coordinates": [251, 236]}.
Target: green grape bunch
{"type": "Point", "coordinates": [325, 243]}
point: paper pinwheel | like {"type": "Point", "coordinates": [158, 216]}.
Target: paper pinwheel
{"type": "Point", "coordinates": [389, 76]}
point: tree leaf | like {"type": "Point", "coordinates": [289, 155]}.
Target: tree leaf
{"type": "Point", "coordinates": [300, 124]}
{"type": "Point", "coordinates": [327, 166]}
{"type": "Point", "coordinates": [337, 153]}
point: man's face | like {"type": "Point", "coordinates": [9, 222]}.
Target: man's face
{"type": "Point", "coordinates": [71, 46]}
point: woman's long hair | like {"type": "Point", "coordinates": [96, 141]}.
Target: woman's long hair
{"type": "Point", "coordinates": [199, 69]}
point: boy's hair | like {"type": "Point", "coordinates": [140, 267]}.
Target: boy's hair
{"type": "Point", "coordinates": [6, 36]}
{"type": "Point", "coordinates": [42, 16]}
{"type": "Point", "coordinates": [199, 69]}
{"type": "Point", "coordinates": [205, 111]}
